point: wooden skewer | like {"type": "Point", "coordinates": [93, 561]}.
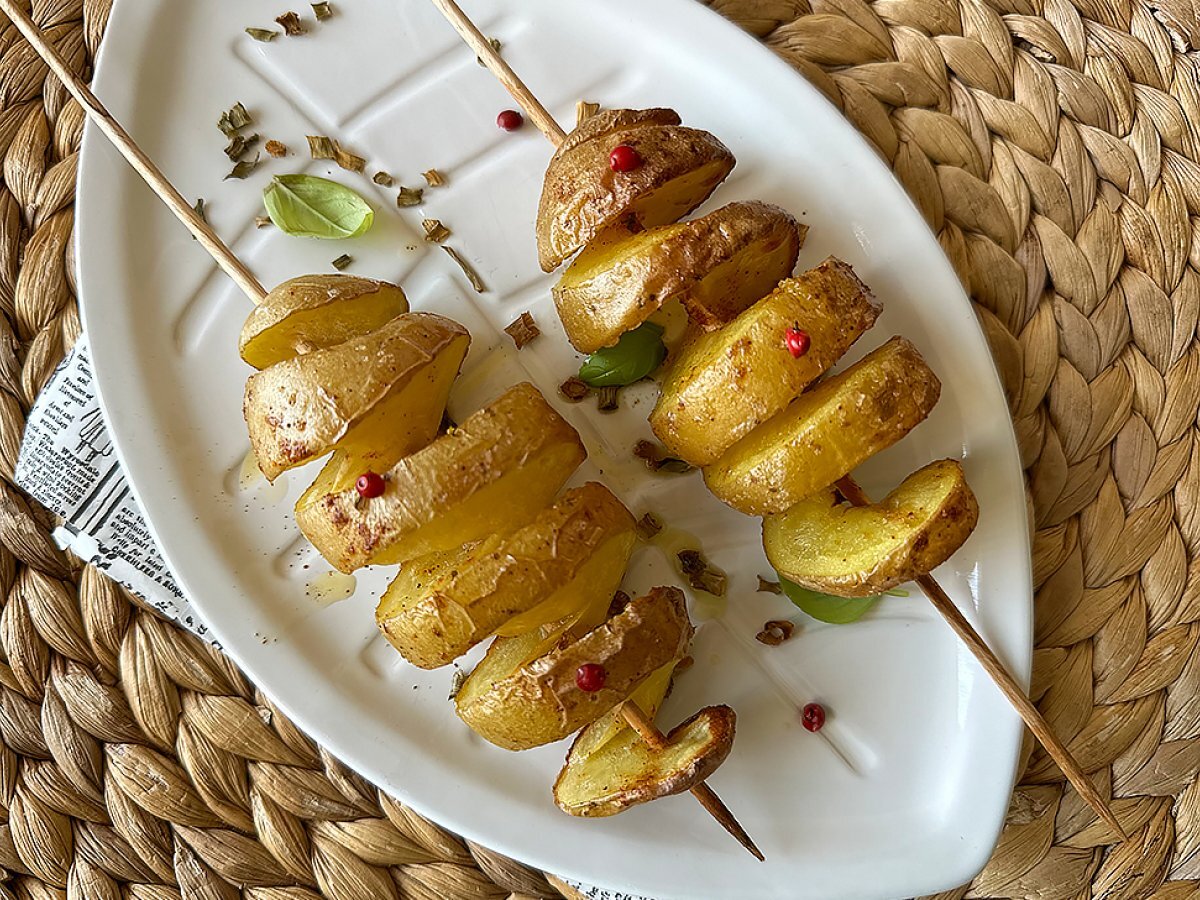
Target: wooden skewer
{"type": "Point", "coordinates": [707, 796]}
{"type": "Point", "coordinates": [546, 123]}
{"type": "Point", "coordinates": [151, 174]}
{"type": "Point", "coordinates": [991, 664]}
{"type": "Point", "coordinates": [475, 39]}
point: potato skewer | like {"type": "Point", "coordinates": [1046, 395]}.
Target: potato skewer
{"type": "Point", "coordinates": [965, 631]}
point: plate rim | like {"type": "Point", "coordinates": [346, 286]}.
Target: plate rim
{"type": "Point", "coordinates": [685, 14]}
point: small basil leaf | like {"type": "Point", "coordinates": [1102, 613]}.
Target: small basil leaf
{"type": "Point", "coordinates": [308, 206]}
{"type": "Point", "coordinates": [635, 355]}
{"type": "Point", "coordinates": [826, 607]}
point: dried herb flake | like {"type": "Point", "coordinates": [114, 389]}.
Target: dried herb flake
{"type": "Point", "coordinates": [584, 110]}
{"type": "Point", "coordinates": [657, 461]}
{"type": "Point", "coordinates": [244, 168]}
{"type": "Point", "coordinates": [262, 221]}
{"type": "Point", "coordinates": [322, 11]}
{"type": "Point", "coordinates": [276, 148]}
{"type": "Point", "coordinates": [775, 632]}
{"type": "Point", "coordinates": [574, 389]}
{"type": "Point", "coordinates": [648, 526]}
{"type": "Point", "coordinates": [233, 119]}
{"type": "Point", "coordinates": [321, 147]}
{"type": "Point", "coordinates": [266, 35]}
{"type": "Point", "coordinates": [456, 683]}
{"type": "Point", "coordinates": [468, 270]}
{"type": "Point", "coordinates": [292, 24]}
{"type": "Point", "coordinates": [701, 574]}
{"type": "Point", "coordinates": [239, 144]}
{"type": "Point", "coordinates": [342, 261]}
{"type": "Point", "coordinates": [606, 398]}
{"type": "Point", "coordinates": [435, 231]}
{"type": "Point", "coordinates": [522, 330]}
{"type": "Point", "coordinates": [409, 196]}
{"type": "Point", "coordinates": [433, 178]}
{"type": "Point", "coordinates": [768, 587]}
{"type": "Point", "coordinates": [383, 179]}
{"type": "Point", "coordinates": [199, 208]}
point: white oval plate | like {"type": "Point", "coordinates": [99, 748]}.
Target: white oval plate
{"type": "Point", "coordinates": [905, 790]}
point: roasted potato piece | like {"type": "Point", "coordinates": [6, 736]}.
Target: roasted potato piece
{"type": "Point", "coordinates": [716, 265]}
{"type": "Point", "coordinates": [827, 545]}
{"type": "Point", "coordinates": [491, 474]}
{"type": "Point", "coordinates": [571, 556]}
{"type": "Point", "coordinates": [721, 385]}
{"type": "Point", "coordinates": [582, 196]}
{"type": "Point", "coordinates": [539, 702]}
{"type": "Point", "coordinates": [625, 771]}
{"type": "Point", "coordinates": [382, 393]}
{"type": "Point", "coordinates": [314, 312]}
{"type": "Point", "coordinates": [827, 431]}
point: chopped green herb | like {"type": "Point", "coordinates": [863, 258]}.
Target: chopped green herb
{"type": "Point", "coordinates": [239, 144]}
{"type": "Point", "coordinates": [233, 119]}
{"type": "Point", "coordinates": [409, 196]}
{"type": "Point", "coordinates": [342, 261]}
{"type": "Point", "coordinates": [433, 177]}
{"type": "Point", "coordinates": [266, 35]}
{"type": "Point", "coordinates": [310, 206]}
{"type": "Point", "coordinates": [383, 179]}
{"type": "Point", "coordinates": [635, 355]}
{"type": "Point", "coordinates": [244, 168]}
{"type": "Point", "coordinates": [322, 11]}
{"type": "Point", "coordinates": [701, 574]}
{"type": "Point", "coordinates": [468, 270]}
{"type": "Point", "coordinates": [293, 26]}
{"type": "Point", "coordinates": [435, 231]}
{"type": "Point", "coordinates": [826, 607]}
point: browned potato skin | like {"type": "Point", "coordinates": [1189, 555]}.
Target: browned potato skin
{"type": "Point", "coordinates": [316, 312]}
{"type": "Point", "coordinates": [721, 385]}
{"type": "Point", "coordinates": [897, 541]}
{"type": "Point", "coordinates": [631, 773]}
{"type": "Point", "coordinates": [827, 431]}
{"type": "Point", "coordinates": [611, 288]}
{"type": "Point", "coordinates": [524, 569]}
{"type": "Point", "coordinates": [582, 195]}
{"type": "Point", "coordinates": [300, 409]}
{"type": "Point", "coordinates": [606, 121]}
{"type": "Point", "coordinates": [540, 702]}
{"type": "Point", "coordinates": [518, 431]}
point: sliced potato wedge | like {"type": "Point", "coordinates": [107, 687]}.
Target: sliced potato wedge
{"type": "Point", "coordinates": [716, 265]}
{"type": "Point", "coordinates": [539, 702]}
{"type": "Point", "coordinates": [490, 475]}
{"type": "Point", "coordinates": [383, 393]}
{"type": "Point", "coordinates": [721, 385]}
{"type": "Point", "coordinates": [624, 771]}
{"type": "Point", "coordinates": [827, 545]}
{"type": "Point", "coordinates": [827, 431]}
{"type": "Point", "coordinates": [571, 556]}
{"type": "Point", "coordinates": [314, 312]}
{"type": "Point", "coordinates": [582, 196]}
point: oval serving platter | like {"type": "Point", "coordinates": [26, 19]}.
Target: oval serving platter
{"type": "Point", "coordinates": [904, 791]}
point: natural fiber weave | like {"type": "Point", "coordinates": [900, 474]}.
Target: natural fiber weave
{"type": "Point", "coordinates": [1051, 144]}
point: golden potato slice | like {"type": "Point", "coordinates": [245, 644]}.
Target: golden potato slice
{"type": "Point", "coordinates": [582, 195]}
{"type": "Point", "coordinates": [313, 312]}
{"type": "Point", "coordinates": [540, 702]}
{"type": "Point", "coordinates": [626, 771]}
{"type": "Point", "coordinates": [571, 556]}
{"type": "Point", "coordinates": [827, 545]}
{"type": "Point", "coordinates": [490, 475]}
{"type": "Point", "coordinates": [827, 431]}
{"type": "Point", "coordinates": [379, 394]}
{"type": "Point", "coordinates": [721, 385]}
{"type": "Point", "coordinates": [717, 265]}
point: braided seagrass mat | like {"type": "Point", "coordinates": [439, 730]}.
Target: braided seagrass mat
{"type": "Point", "coordinates": [1051, 144]}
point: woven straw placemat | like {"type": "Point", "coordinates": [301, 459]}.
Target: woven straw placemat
{"type": "Point", "coordinates": [1051, 144]}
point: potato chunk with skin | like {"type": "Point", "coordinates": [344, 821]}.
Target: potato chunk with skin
{"type": "Point", "coordinates": [829, 546]}
{"type": "Point", "coordinates": [625, 771]}
{"type": "Point", "coordinates": [386, 389]}
{"type": "Point", "coordinates": [716, 265]}
{"type": "Point", "coordinates": [539, 702]}
{"type": "Point", "coordinates": [571, 555]}
{"type": "Point", "coordinates": [491, 474]}
{"type": "Point", "coordinates": [827, 431]}
{"type": "Point", "coordinates": [721, 385]}
{"type": "Point", "coordinates": [314, 312]}
{"type": "Point", "coordinates": [582, 196]}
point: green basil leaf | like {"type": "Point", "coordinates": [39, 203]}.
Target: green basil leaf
{"type": "Point", "coordinates": [635, 355]}
{"type": "Point", "coordinates": [826, 607]}
{"type": "Point", "coordinates": [308, 206]}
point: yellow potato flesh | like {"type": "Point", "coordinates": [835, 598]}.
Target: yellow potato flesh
{"type": "Point", "coordinates": [648, 698]}
{"type": "Point", "coordinates": [826, 432]}
{"type": "Point", "coordinates": [314, 312]}
{"type": "Point", "coordinates": [721, 385]}
{"type": "Point", "coordinates": [735, 286]}
{"type": "Point", "coordinates": [679, 196]}
{"type": "Point", "coordinates": [830, 546]}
